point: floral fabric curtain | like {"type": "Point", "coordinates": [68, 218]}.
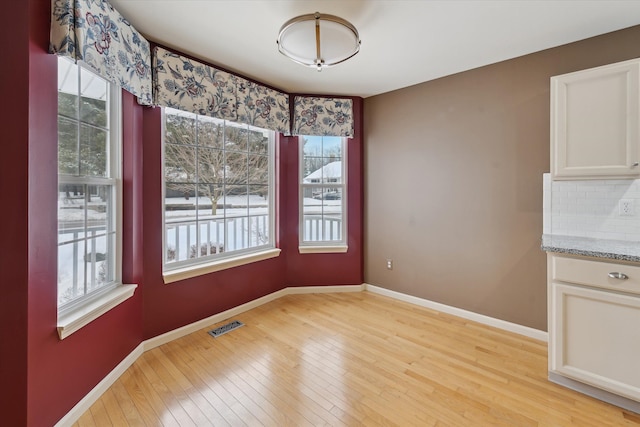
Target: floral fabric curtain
{"type": "Point", "coordinates": [323, 116]}
{"type": "Point", "coordinates": [262, 107]}
{"type": "Point", "coordinates": [189, 85]}
{"type": "Point", "coordinates": [94, 32]}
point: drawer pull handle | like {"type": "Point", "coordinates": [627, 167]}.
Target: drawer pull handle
{"type": "Point", "coordinates": [617, 275]}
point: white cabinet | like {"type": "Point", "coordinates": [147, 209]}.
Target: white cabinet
{"type": "Point", "coordinates": [595, 122]}
{"type": "Point", "coordinates": [594, 323]}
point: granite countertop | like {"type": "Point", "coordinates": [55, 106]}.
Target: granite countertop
{"type": "Point", "coordinates": [586, 246]}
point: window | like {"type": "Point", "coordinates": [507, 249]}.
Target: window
{"type": "Point", "coordinates": [218, 191]}
{"type": "Point", "coordinates": [323, 194]}
{"type": "Point", "coordinates": [88, 186]}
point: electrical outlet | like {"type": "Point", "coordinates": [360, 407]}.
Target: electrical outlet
{"type": "Point", "coordinates": [627, 208]}
{"type": "Point", "coordinates": [389, 264]}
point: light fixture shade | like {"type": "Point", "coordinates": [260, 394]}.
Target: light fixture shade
{"type": "Point", "coordinates": [318, 40]}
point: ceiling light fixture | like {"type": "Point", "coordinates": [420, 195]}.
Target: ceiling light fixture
{"type": "Point", "coordinates": [318, 40]}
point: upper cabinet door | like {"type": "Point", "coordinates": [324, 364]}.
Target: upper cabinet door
{"type": "Point", "coordinates": [595, 122]}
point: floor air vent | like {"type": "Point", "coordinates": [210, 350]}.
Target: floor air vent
{"type": "Point", "coordinates": [221, 330]}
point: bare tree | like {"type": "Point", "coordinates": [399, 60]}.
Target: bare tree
{"type": "Point", "coordinates": [211, 158]}
{"type": "Point", "coordinates": [83, 154]}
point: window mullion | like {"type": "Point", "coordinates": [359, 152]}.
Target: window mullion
{"type": "Point", "coordinates": [247, 175]}
{"type": "Point", "coordinates": [78, 127]}
{"type": "Point", "coordinates": [224, 185]}
{"type": "Point", "coordinates": [322, 192]}
{"type": "Point", "coordinates": [86, 234]}
{"type": "Point", "coordinates": [197, 186]}
{"type": "Point", "coordinates": [89, 180]}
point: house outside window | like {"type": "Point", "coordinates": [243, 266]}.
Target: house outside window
{"type": "Point", "coordinates": [89, 188]}
{"type": "Point", "coordinates": [323, 194]}
{"type": "Point", "coordinates": [218, 187]}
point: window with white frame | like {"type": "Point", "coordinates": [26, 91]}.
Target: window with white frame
{"type": "Point", "coordinates": [323, 193]}
{"type": "Point", "coordinates": [218, 183]}
{"type": "Point", "coordinates": [88, 185]}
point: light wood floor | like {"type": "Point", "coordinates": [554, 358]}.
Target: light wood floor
{"type": "Point", "coordinates": [347, 359]}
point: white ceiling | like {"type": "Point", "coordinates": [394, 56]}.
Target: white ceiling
{"type": "Point", "coordinates": [404, 42]}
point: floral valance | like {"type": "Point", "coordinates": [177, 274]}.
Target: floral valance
{"type": "Point", "coordinates": [188, 85]}
{"type": "Point", "coordinates": [323, 116]}
{"type": "Point", "coordinates": [262, 107]}
{"type": "Point", "coordinates": [94, 32]}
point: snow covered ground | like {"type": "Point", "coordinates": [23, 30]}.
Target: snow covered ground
{"type": "Point", "coordinates": [246, 219]}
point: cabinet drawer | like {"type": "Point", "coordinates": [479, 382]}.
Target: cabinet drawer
{"type": "Point", "coordinates": [595, 273]}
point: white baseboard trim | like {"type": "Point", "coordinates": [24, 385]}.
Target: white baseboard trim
{"type": "Point", "coordinates": [324, 289]}
{"type": "Point", "coordinates": [219, 317]}
{"type": "Point", "coordinates": [81, 407]}
{"type": "Point", "coordinates": [469, 315]}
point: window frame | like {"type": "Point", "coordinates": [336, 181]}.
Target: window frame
{"type": "Point", "coordinates": [184, 269]}
{"type": "Point", "coordinates": [323, 246]}
{"type": "Point", "coordinates": [78, 312]}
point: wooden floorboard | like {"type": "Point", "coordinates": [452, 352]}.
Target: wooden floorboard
{"type": "Point", "coordinates": [348, 359]}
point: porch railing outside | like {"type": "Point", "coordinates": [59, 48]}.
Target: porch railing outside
{"type": "Point", "coordinates": [81, 255]}
{"type": "Point", "coordinates": [242, 232]}
{"type": "Point", "coordinates": [181, 239]}
{"type": "Point", "coordinates": [215, 235]}
{"type": "Point", "coordinates": [322, 228]}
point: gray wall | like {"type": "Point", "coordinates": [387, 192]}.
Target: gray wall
{"type": "Point", "coordinates": [453, 181]}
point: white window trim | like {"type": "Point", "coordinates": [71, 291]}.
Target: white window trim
{"type": "Point", "coordinates": [86, 313]}
{"type": "Point", "coordinates": [318, 247]}
{"type": "Point", "coordinates": [212, 266]}
{"type": "Point", "coordinates": [200, 266]}
{"type": "Point", "coordinates": [328, 249]}
{"type": "Point", "coordinates": [79, 313]}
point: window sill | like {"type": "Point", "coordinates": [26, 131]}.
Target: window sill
{"type": "Point", "coordinates": [223, 264]}
{"type": "Point", "coordinates": [85, 314]}
{"type": "Point", "coordinates": [323, 249]}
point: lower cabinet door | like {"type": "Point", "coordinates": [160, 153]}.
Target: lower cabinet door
{"type": "Point", "coordinates": [594, 337]}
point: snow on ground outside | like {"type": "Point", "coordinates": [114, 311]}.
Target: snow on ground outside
{"type": "Point", "coordinates": [72, 211]}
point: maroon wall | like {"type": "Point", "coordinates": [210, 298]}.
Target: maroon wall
{"type": "Point", "coordinates": [13, 216]}
{"type": "Point", "coordinates": [60, 373]}
{"type": "Point", "coordinates": [43, 377]}
{"type": "Point", "coordinates": [326, 269]}
{"type": "Point", "coordinates": [132, 238]}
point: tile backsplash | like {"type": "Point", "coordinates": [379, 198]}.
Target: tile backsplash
{"type": "Point", "coordinates": [591, 208]}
